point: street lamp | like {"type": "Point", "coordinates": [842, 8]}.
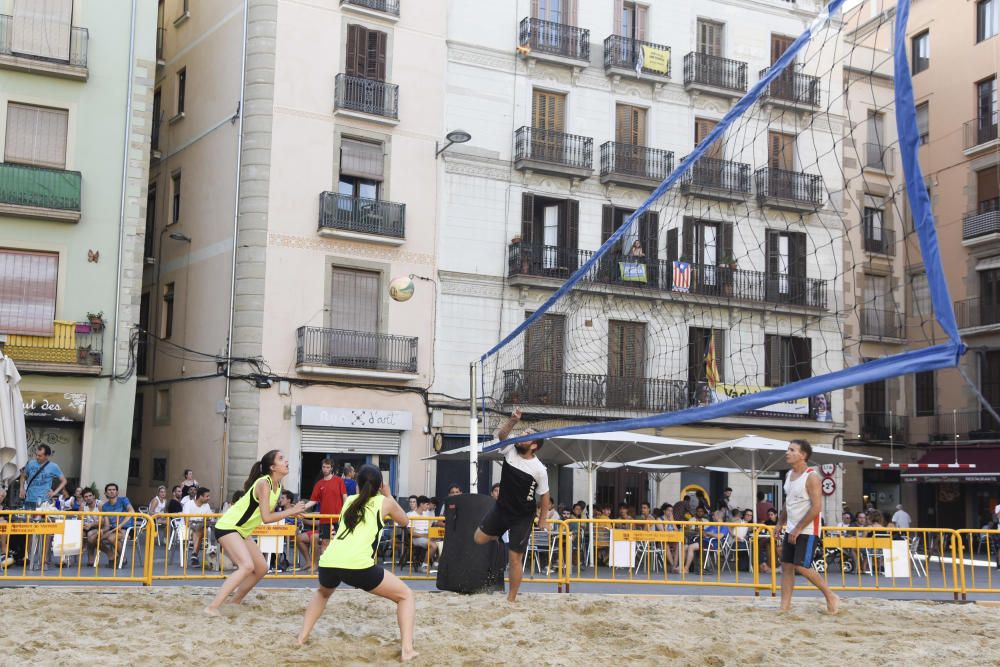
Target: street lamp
{"type": "Point", "coordinates": [453, 137]}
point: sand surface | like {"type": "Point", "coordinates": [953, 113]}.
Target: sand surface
{"type": "Point", "coordinates": [165, 626]}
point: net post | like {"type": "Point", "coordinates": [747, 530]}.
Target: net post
{"type": "Point", "coordinates": [473, 433]}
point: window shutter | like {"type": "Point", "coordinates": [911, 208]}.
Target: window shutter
{"type": "Point", "coordinates": [570, 6]}
{"type": "Point", "coordinates": [377, 46]}
{"type": "Point", "coordinates": [987, 185]}
{"type": "Point", "coordinates": [615, 356]}
{"type": "Point", "coordinates": [42, 28]}
{"type": "Point", "coordinates": [649, 234]}
{"type": "Point", "coordinates": [548, 111]}
{"type": "Point", "coordinates": [687, 253]}
{"type": "Point", "coordinates": [773, 260]}
{"type": "Point", "coordinates": [720, 353]}
{"type": "Point", "coordinates": [779, 45]}
{"type": "Point", "coordinates": [362, 159]}
{"type": "Point", "coordinates": [534, 9]}
{"type": "Point", "coordinates": [802, 349]}
{"type": "Point", "coordinates": [619, 18]}
{"type": "Point", "coordinates": [36, 135]}
{"type": "Point", "coordinates": [571, 239]}
{"type": "Point", "coordinates": [607, 222]}
{"type": "Point", "coordinates": [640, 22]}
{"type": "Point", "coordinates": [636, 350]}
{"type": "Point", "coordinates": [797, 255]}
{"type": "Point", "coordinates": [357, 43]}
{"type": "Point", "coordinates": [355, 297]}
{"type": "Point", "coordinates": [527, 216]}
{"type": "Point", "coordinates": [28, 289]}
{"type": "Point", "coordinates": [726, 241]}
{"type": "Point", "coordinates": [623, 120]}
{"type": "Point", "coordinates": [638, 126]}
{"type": "Point", "coordinates": [671, 246]}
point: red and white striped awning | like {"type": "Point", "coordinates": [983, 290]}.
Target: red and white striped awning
{"type": "Point", "coordinates": [927, 466]}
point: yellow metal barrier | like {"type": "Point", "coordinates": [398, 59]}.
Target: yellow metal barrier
{"type": "Point", "coordinates": [889, 559]}
{"type": "Point", "coordinates": [682, 553]}
{"type": "Point", "coordinates": [70, 546]}
{"type": "Point", "coordinates": [979, 553]}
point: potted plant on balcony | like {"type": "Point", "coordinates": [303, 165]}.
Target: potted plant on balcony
{"type": "Point", "coordinates": [96, 321]}
{"type": "Point", "coordinates": [83, 355]}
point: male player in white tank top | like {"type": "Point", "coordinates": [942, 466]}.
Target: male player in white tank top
{"type": "Point", "coordinates": [803, 504]}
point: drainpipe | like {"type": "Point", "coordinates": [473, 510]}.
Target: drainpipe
{"type": "Point", "coordinates": [236, 227]}
{"type": "Point", "coordinates": [121, 204]}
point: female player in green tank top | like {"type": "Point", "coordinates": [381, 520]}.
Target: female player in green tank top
{"type": "Point", "coordinates": [351, 557]}
{"type": "Point", "coordinates": [233, 529]}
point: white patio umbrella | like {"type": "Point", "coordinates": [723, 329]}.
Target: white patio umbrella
{"type": "Point", "coordinates": [13, 441]}
{"type": "Point", "coordinates": [753, 454]}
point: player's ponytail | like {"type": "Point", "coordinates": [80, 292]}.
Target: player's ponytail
{"type": "Point", "coordinates": [260, 468]}
{"type": "Point", "coordinates": [369, 484]}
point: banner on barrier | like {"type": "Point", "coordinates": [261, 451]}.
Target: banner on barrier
{"type": "Point", "coordinates": [36, 528]}
{"type": "Point", "coordinates": [283, 530]}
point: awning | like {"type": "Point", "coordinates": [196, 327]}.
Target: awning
{"type": "Point", "coordinates": [986, 460]}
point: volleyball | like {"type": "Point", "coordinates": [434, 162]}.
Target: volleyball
{"type": "Point", "coordinates": [401, 289]}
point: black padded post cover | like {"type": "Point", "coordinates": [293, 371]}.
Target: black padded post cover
{"type": "Point", "coordinates": [464, 566]}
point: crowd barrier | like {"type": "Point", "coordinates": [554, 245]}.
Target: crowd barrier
{"type": "Point", "coordinates": [139, 548]}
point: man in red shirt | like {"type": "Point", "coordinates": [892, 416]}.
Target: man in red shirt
{"type": "Point", "coordinates": [330, 492]}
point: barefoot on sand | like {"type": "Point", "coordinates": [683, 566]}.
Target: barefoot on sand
{"type": "Point", "coordinates": [407, 656]}
{"type": "Point", "coordinates": [833, 604]}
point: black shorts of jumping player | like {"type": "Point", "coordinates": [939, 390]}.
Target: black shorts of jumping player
{"type": "Point", "coordinates": [367, 579]}
{"type": "Point", "coordinates": [500, 521]}
{"type": "Point", "coordinates": [800, 553]}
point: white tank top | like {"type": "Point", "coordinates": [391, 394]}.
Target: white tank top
{"type": "Point", "coordinates": [797, 503]}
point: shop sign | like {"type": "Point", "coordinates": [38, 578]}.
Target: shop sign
{"type": "Point", "coordinates": [360, 418]}
{"type": "Point", "coordinates": [54, 406]}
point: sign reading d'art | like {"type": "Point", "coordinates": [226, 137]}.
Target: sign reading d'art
{"type": "Point", "coordinates": [55, 406]}
{"type": "Point", "coordinates": [362, 418]}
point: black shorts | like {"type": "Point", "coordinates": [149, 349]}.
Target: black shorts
{"type": "Point", "coordinates": [800, 553]}
{"type": "Point", "coordinates": [222, 532]}
{"type": "Point", "coordinates": [324, 531]}
{"type": "Point", "coordinates": [366, 579]}
{"type": "Point", "coordinates": [500, 521]}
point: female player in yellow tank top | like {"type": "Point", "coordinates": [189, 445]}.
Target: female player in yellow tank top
{"type": "Point", "coordinates": [352, 555]}
{"type": "Point", "coordinates": [233, 529]}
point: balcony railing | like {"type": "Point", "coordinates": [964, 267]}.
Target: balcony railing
{"type": "Point", "coordinates": [555, 39]}
{"type": "Point", "coordinates": [880, 426]}
{"type": "Point", "coordinates": [880, 240]}
{"type": "Point", "coordinates": [980, 223]}
{"type": "Point", "coordinates": [369, 96]}
{"type": "Point", "coordinates": [979, 131]}
{"type": "Point", "coordinates": [878, 156]}
{"type": "Point", "coordinates": [569, 150]}
{"type": "Point", "coordinates": [717, 175]}
{"type": "Point", "coordinates": [364, 216]}
{"type": "Point", "coordinates": [589, 391]}
{"type": "Point", "coordinates": [882, 323]}
{"type": "Point", "coordinates": [976, 312]}
{"type": "Point", "coordinates": [39, 187]}
{"type": "Point", "coordinates": [707, 70]}
{"type": "Point", "coordinates": [794, 186]}
{"type": "Point", "coordinates": [724, 282]}
{"type": "Point", "coordinates": [654, 164]}
{"type": "Point", "coordinates": [945, 426]}
{"type": "Point", "coordinates": [793, 87]}
{"type": "Point", "coordinates": [20, 37]}
{"type": "Point", "coordinates": [71, 343]}
{"type": "Point", "coordinates": [384, 6]}
{"type": "Point", "coordinates": [624, 53]}
{"type": "Point", "coordinates": [356, 349]}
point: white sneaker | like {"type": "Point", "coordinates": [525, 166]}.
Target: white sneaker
{"type": "Point", "coordinates": [6, 561]}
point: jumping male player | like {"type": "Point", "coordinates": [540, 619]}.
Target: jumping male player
{"type": "Point", "coordinates": [522, 477]}
{"type": "Point", "coordinates": [803, 502]}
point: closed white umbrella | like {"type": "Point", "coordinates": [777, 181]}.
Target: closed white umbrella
{"type": "Point", "coordinates": [753, 454]}
{"type": "Point", "coordinates": [13, 441]}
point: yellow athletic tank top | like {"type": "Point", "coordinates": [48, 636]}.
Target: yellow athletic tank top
{"type": "Point", "coordinates": [244, 515]}
{"type": "Point", "coordinates": [356, 550]}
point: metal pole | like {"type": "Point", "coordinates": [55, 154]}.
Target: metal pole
{"type": "Point", "coordinates": [473, 433]}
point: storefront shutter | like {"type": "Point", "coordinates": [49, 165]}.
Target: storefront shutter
{"type": "Point", "coordinates": [349, 441]}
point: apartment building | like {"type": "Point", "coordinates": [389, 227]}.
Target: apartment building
{"type": "Point", "coordinates": [75, 95]}
{"type": "Point", "coordinates": [569, 136]}
{"type": "Point", "coordinates": [293, 177]}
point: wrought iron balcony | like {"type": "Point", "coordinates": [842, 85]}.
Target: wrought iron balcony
{"type": "Point", "coordinates": [793, 88]}
{"type": "Point", "coordinates": [19, 39]}
{"type": "Point", "coordinates": [715, 74]}
{"type": "Point", "coordinates": [385, 6]}
{"type": "Point", "coordinates": [982, 222]}
{"type": "Point", "coordinates": [879, 323]}
{"type": "Point", "coordinates": [976, 312]}
{"type": "Point", "coordinates": [879, 426]}
{"type": "Point", "coordinates": [717, 179]}
{"type": "Point", "coordinates": [722, 282]}
{"type": "Point", "coordinates": [947, 426]}
{"type": "Point", "coordinates": [555, 39]}
{"type": "Point", "coordinates": [880, 157]}
{"type": "Point", "coordinates": [73, 347]}
{"type": "Point", "coordinates": [377, 98]}
{"type": "Point", "coordinates": [39, 191]}
{"type": "Point", "coordinates": [628, 164]}
{"type": "Point", "coordinates": [880, 240]}
{"type": "Point", "coordinates": [359, 350]}
{"type": "Point", "coordinates": [979, 131]}
{"type": "Point", "coordinates": [361, 216]}
{"type": "Point", "coordinates": [622, 54]}
{"type": "Point", "coordinates": [553, 152]}
{"type": "Point", "coordinates": [789, 189]}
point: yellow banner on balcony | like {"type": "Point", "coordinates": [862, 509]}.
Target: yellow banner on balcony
{"type": "Point", "coordinates": [59, 348]}
{"type": "Point", "coordinates": [655, 60]}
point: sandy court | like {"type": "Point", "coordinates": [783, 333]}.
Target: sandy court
{"type": "Point", "coordinates": [165, 626]}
